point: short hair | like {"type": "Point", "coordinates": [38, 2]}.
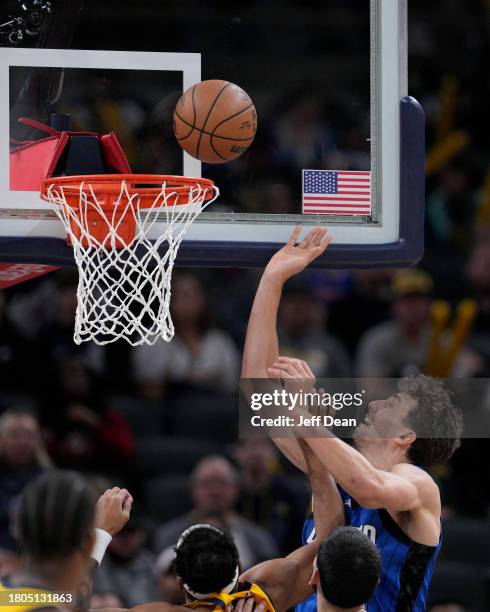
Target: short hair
{"type": "Point", "coordinates": [214, 459]}
{"type": "Point", "coordinates": [206, 560]}
{"type": "Point", "coordinates": [349, 566]}
{"type": "Point", "coordinates": [437, 423]}
{"type": "Point", "coordinates": [56, 514]}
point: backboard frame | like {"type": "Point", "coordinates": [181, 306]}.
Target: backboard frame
{"type": "Point", "coordinates": [394, 234]}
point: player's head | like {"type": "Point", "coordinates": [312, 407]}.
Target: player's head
{"type": "Point", "coordinates": [56, 518]}
{"type": "Point", "coordinates": [346, 569]}
{"type": "Point", "coordinates": [206, 561]}
{"type": "Point", "coordinates": [420, 420]}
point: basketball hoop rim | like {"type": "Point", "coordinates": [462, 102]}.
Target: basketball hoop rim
{"type": "Point", "coordinates": [111, 184]}
{"type": "Point", "coordinates": [100, 209]}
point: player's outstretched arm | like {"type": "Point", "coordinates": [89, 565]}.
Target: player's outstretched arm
{"type": "Point", "coordinates": [286, 580]}
{"type": "Point", "coordinates": [261, 345]}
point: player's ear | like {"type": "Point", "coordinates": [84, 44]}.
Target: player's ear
{"type": "Point", "coordinates": [406, 439]}
{"type": "Point", "coordinates": [315, 577]}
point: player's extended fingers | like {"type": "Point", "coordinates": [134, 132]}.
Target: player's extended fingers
{"type": "Point", "coordinates": [316, 251]}
{"type": "Point", "coordinates": [294, 236]}
{"type": "Point", "coordinates": [239, 605]}
{"type": "Point", "coordinates": [301, 368]}
{"type": "Point", "coordinates": [261, 607]}
{"type": "Point", "coordinates": [249, 604]}
{"type": "Point", "coordinates": [277, 373]}
{"type": "Point", "coordinates": [290, 367]}
{"type": "Point", "coordinates": [309, 238]}
{"type": "Point", "coordinates": [319, 236]}
{"type": "Point", "coordinates": [306, 370]}
{"type": "Point", "coordinates": [293, 365]}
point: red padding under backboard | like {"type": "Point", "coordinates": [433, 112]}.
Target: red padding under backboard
{"type": "Point", "coordinates": [14, 273]}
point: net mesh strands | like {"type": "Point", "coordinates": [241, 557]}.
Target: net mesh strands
{"type": "Point", "coordinates": [124, 284]}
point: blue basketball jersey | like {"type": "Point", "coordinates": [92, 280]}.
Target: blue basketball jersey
{"type": "Point", "coordinates": [406, 566]}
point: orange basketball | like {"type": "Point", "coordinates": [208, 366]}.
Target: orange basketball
{"type": "Point", "coordinates": [215, 121]}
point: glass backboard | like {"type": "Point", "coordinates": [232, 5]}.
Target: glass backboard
{"type": "Point", "coordinates": [329, 82]}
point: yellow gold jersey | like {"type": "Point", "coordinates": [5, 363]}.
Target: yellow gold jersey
{"type": "Point", "coordinates": [218, 601]}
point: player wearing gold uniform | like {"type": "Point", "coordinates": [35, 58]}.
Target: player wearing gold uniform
{"type": "Point", "coordinates": [58, 526]}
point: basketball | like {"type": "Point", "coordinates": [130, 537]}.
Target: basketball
{"type": "Point", "coordinates": [215, 121]}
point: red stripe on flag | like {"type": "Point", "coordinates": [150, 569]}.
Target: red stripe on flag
{"type": "Point", "coordinates": [354, 180]}
{"type": "Point", "coordinates": [364, 195]}
{"type": "Point", "coordinates": [335, 199]}
{"type": "Point", "coordinates": [352, 172]}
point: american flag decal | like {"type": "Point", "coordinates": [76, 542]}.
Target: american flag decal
{"type": "Point", "coordinates": [336, 192]}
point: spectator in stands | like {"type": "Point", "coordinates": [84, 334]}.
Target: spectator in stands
{"type": "Point", "coordinates": [168, 585]}
{"type": "Point", "coordinates": [214, 492]}
{"type": "Point", "coordinates": [16, 371]}
{"type": "Point", "coordinates": [267, 498]}
{"type": "Point", "coordinates": [301, 326]}
{"type": "Point", "coordinates": [478, 276]}
{"type": "Point", "coordinates": [22, 458]}
{"type": "Point", "coordinates": [200, 354]}
{"type": "Point", "coordinates": [399, 347]}
{"type": "Point", "coordinates": [128, 568]}
{"type": "Point", "coordinates": [84, 433]}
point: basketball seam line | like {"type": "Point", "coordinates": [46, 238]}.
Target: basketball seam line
{"type": "Point", "coordinates": [188, 124]}
{"type": "Point", "coordinates": [208, 115]}
{"type": "Point", "coordinates": [216, 152]}
{"type": "Point", "coordinates": [209, 133]}
{"type": "Point", "coordinates": [231, 117]}
{"type": "Point", "coordinates": [194, 109]}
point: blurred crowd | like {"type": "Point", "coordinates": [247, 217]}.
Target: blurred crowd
{"type": "Point", "coordinates": [162, 420]}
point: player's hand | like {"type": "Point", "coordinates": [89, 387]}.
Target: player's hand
{"type": "Point", "coordinates": [295, 373]}
{"type": "Point", "coordinates": [294, 258]}
{"type": "Point", "coordinates": [246, 604]}
{"type": "Point", "coordinates": [112, 510]}
{"type": "Point", "coordinates": [290, 369]}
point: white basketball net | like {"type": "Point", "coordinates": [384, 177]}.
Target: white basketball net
{"type": "Point", "coordinates": [125, 292]}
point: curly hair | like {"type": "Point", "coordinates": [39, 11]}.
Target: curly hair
{"type": "Point", "coordinates": [437, 423]}
{"type": "Point", "coordinates": [206, 560]}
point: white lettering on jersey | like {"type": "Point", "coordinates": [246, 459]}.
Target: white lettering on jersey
{"type": "Point", "coordinates": [369, 531]}
{"type": "Point", "coordinates": [312, 536]}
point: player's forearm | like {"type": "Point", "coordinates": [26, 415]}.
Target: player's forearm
{"type": "Point", "coordinates": [261, 344]}
{"type": "Point", "coordinates": [328, 509]}
{"type": "Point", "coordinates": [351, 470]}
{"type": "Point", "coordinates": [291, 449]}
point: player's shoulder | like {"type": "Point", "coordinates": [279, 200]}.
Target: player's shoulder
{"type": "Point", "coordinates": [426, 485]}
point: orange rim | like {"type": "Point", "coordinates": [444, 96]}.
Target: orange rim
{"type": "Point", "coordinates": [107, 191]}
{"type": "Point", "coordinates": [109, 186]}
